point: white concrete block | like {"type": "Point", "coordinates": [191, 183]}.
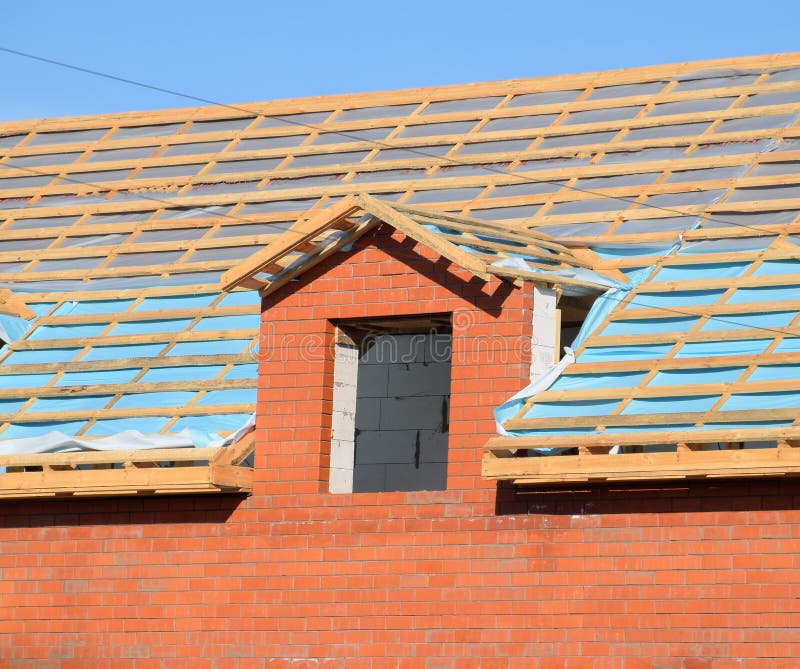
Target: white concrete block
{"type": "Point", "coordinates": [342, 454]}
{"type": "Point", "coordinates": [340, 480]}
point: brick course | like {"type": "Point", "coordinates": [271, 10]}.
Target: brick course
{"type": "Point", "coordinates": [691, 575]}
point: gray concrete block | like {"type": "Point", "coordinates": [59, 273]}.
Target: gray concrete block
{"type": "Point", "coordinates": [419, 379]}
{"type": "Point", "coordinates": [432, 476]}
{"type": "Point", "coordinates": [382, 447]}
{"type": "Point", "coordinates": [391, 349]}
{"type": "Point", "coordinates": [368, 413]}
{"type": "Point", "coordinates": [402, 413]}
{"type": "Point", "coordinates": [433, 447]}
{"type": "Point", "coordinates": [439, 348]}
{"type": "Point", "coordinates": [369, 478]}
{"type": "Point", "coordinates": [373, 380]}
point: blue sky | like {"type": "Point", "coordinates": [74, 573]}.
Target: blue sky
{"type": "Point", "coordinates": [241, 51]}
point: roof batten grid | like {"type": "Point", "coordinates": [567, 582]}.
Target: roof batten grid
{"type": "Point", "coordinates": [181, 190]}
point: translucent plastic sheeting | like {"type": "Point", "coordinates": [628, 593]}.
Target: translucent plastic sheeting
{"type": "Point", "coordinates": [258, 143]}
{"type": "Point", "coordinates": [776, 192]}
{"type": "Point", "coordinates": [37, 223]}
{"type": "Point", "coordinates": [296, 120]}
{"type": "Point", "coordinates": [598, 115]}
{"type": "Point", "coordinates": [67, 137]}
{"type": "Point", "coordinates": [645, 155]}
{"type": "Point", "coordinates": [304, 182]}
{"type": "Point", "coordinates": [750, 219]}
{"type": "Point", "coordinates": [444, 195]}
{"type": "Point", "coordinates": [587, 206]}
{"type": "Point", "coordinates": [59, 442]}
{"type": "Point", "coordinates": [774, 169]}
{"type": "Point", "coordinates": [668, 224]}
{"type": "Point", "coordinates": [25, 244]}
{"type": "Point", "coordinates": [551, 164]}
{"type": "Point", "coordinates": [480, 169]}
{"type": "Point", "coordinates": [656, 132]}
{"type": "Point", "coordinates": [41, 160]}
{"type": "Point", "coordinates": [545, 98]}
{"type": "Point", "coordinates": [370, 113]}
{"type": "Point", "coordinates": [708, 174]}
{"type": "Point", "coordinates": [145, 259]}
{"type": "Point", "coordinates": [277, 206]}
{"type": "Point", "coordinates": [67, 264]}
{"type": "Point", "coordinates": [714, 79]}
{"type": "Point", "coordinates": [626, 90]}
{"type": "Point", "coordinates": [195, 148]}
{"type": "Point", "coordinates": [617, 181]}
{"type": "Point", "coordinates": [24, 182]}
{"type": "Point", "coordinates": [502, 213]}
{"type": "Point", "coordinates": [559, 141]}
{"type": "Point", "coordinates": [230, 166]}
{"type": "Point", "coordinates": [346, 136]}
{"type": "Point", "coordinates": [474, 148]}
{"type": "Point", "coordinates": [684, 199]}
{"type": "Point", "coordinates": [779, 98]}
{"type": "Point", "coordinates": [246, 230]}
{"type": "Point", "coordinates": [387, 175]}
{"type": "Point", "coordinates": [168, 171]}
{"type": "Point", "coordinates": [92, 240]}
{"type": "Point", "coordinates": [527, 188]}
{"type": "Point", "coordinates": [224, 253]}
{"type": "Point", "coordinates": [178, 234]}
{"type": "Point", "coordinates": [412, 153]}
{"type": "Point", "coordinates": [134, 153]}
{"type": "Point", "coordinates": [575, 229]}
{"type": "Point", "coordinates": [733, 148]}
{"type": "Point", "coordinates": [691, 106]}
{"type": "Point", "coordinates": [468, 104]}
{"type": "Point", "coordinates": [10, 141]}
{"type": "Point", "coordinates": [222, 187]}
{"type": "Point", "coordinates": [698, 376]}
{"type": "Point", "coordinates": [319, 159]}
{"type": "Point", "coordinates": [519, 123]}
{"type": "Point", "coordinates": [224, 125]}
{"type": "Point", "coordinates": [447, 128]}
{"type": "Point", "coordinates": [757, 123]}
{"type": "Point", "coordinates": [135, 132]}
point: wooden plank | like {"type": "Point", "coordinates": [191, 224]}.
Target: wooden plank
{"type": "Point", "coordinates": [409, 227]}
{"type": "Point", "coordinates": [644, 466]}
{"type": "Point", "coordinates": [301, 233]}
{"type": "Point", "coordinates": [604, 440]}
{"type": "Point", "coordinates": [658, 419]}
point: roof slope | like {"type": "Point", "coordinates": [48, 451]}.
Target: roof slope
{"type": "Point", "coordinates": [115, 230]}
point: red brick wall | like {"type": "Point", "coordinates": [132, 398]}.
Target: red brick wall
{"type": "Point", "coordinates": [681, 576]}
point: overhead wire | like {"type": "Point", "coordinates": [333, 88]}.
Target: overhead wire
{"type": "Point", "coordinates": [377, 143]}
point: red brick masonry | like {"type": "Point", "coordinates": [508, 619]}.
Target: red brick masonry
{"type": "Point", "coordinates": [680, 576]}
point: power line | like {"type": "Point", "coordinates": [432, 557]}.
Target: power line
{"type": "Point", "coordinates": [381, 144]}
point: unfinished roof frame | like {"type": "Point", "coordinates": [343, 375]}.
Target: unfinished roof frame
{"type": "Point", "coordinates": [175, 199]}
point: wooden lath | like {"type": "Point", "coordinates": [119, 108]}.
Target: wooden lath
{"type": "Point", "coordinates": [137, 472]}
{"type": "Point", "coordinates": [690, 460]}
{"type": "Point", "coordinates": [489, 243]}
{"type": "Point", "coordinates": [13, 305]}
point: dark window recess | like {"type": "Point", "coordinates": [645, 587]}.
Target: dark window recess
{"type": "Point", "coordinates": [573, 314]}
{"type": "Point", "coordinates": [402, 403]}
